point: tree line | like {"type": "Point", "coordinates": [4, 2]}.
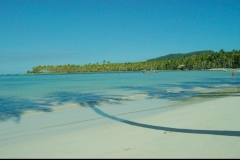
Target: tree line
{"type": "Point", "coordinates": [221, 59]}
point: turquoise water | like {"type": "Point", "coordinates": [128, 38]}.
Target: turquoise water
{"type": "Point", "coordinates": [21, 93]}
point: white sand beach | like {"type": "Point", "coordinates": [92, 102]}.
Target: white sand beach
{"type": "Point", "coordinates": [208, 129]}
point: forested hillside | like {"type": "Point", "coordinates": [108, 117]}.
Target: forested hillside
{"type": "Point", "coordinates": [181, 55]}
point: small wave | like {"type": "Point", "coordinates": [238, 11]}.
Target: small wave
{"type": "Point", "coordinates": [174, 90]}
{"type": "Point", "coordinates": [220, 85]}
{"type": "Point", "coordinates": [136, 96]}
{"type": "Point", "coordinates": [198, 88]}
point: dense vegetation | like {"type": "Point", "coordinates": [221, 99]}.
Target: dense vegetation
{"type": "Point", "coordinates": [200, 61]}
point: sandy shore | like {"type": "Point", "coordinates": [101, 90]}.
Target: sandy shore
{"type": "Point", "coordinates": [209, 129]}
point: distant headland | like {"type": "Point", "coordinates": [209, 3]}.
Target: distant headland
{"type": "Point", "coordinates": [197, 60]}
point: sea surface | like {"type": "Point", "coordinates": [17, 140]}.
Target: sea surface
{"type": "Point", "coordinates": [20, 94]}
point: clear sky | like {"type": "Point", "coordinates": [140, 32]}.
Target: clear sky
{"type": "Point", "coordinates": [58, 32]}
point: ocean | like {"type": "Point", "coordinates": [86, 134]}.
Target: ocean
{"type": "Point", "coordinates": [22, 94]}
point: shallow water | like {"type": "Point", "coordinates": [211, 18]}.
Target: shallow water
{"type": "Point", "coordinates": [20, 94]}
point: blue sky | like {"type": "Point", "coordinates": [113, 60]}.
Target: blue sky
{"type": "Point", "coordinates": [58, 32]}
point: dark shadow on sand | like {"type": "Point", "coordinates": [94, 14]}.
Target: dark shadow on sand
{"type": "Point", "coordinates": [169, 129]}
{"type": "Point", "coordinates": [90, 100]}
{"type": "Point", "coordinates": [14, 108]}
{"type": "Point", "coordinates": [75, 97]}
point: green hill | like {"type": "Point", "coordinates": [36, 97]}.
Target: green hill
{"type": "Point", "coordinates": [181, 55]}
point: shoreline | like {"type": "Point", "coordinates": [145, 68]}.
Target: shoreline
{"type": "Point", "coordinates": [93, 72]}
{"type": "Point", "coordinates": [207, 94]}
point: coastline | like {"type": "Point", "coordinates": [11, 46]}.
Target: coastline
{"type": "Point", "coordinates": [95, 72]}
{"type": "Point", "coordinates": [202, 128]}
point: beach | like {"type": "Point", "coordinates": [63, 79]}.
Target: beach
{"type": "Point", "coordinates": [207, 129]}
